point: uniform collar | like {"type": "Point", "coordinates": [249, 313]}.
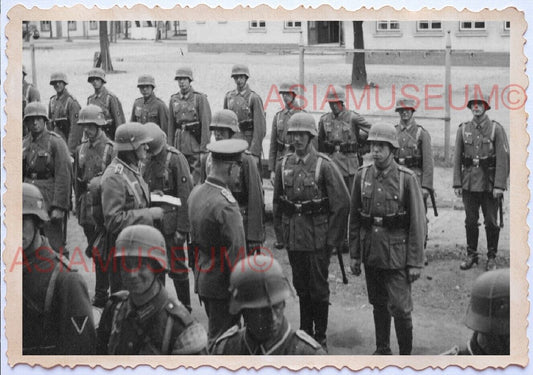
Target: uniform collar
{"type": "Point", "coordinates": [385, 172]}
{"type": "Point", "coordinates": [409, 124]}
{"type": "Point", "coordinates": [304, 159]}
{"type": "Point", "coordinates": [151, 98]}
{"type": "Point", "coordinates": [256, 348]}
{"type": "Point", "coordinates": [100, 138]}
{"type": "Point", "coordinates": [187, 95]}
{"type": "Point", "coordinates": [135, 170]}
{"type": "Point", "coordinates": [40, 136]}
{"type": "Point", "coordinates": [482, 122]}
{"type": "Point", "coordinates": [103, 91]}
{"type": "Point", "coordinates": [244, 90]}
{"type": "Point", "coordinates": [215, 182]}
{"type": "Point", "coordinates": [64, 94]}
{"type": "Point", "coordinates": [149, 309]}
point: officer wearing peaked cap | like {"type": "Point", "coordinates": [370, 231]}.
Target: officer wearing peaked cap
{"type": "Point", "coordinates": [149, 108]}
{"type": "Point", "coordinates": [217, 235]}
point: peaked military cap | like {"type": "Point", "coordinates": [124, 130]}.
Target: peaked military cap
{"type": "Point", "coordinates": [228, 149]}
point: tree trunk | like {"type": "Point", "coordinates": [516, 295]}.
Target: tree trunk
{"type": "Point", "coordinates": [359, 78]}
{"type": "Point", "coordinates": [105, 56]}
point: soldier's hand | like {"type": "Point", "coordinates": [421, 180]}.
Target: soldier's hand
{"type": "Point", "coordinates": [272, 176]}
{"type": "Point", "coordinates": [497, 193]}
{"type": "Point", "coordinates": [156, 212]}
{"type": "Point", "coordinates": [414, 274]}
{"type": "Point", "coordinates": [158, 192]}
{"type": "Point", "coordinates": [57, 214]}
{"type": "Point", "coordinates": [355, 266]}
{"type": "Point", "coordinates": [180, 237]}
{"type": "Point", "coordinates": [458, 192]}
{"type": "Point", "coordinates": [425, 193]}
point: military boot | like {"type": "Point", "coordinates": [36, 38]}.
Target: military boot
{"type": "Point", "coordinates": [306, 315]}
{"type": "Point", "coordinates": [320, 317]}
{"type": "Point", "coordinates": [493, 236]}
{"type": "Point", "coordinates": [404, 334]}
{"type": "Point", "coordinates": [183, 293]}
{"type": "Point", "coordinates": [472, 235]}
{"type": "Point", "coordinates": [382, 320]}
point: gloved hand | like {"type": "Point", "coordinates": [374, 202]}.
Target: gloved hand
{"type": "Point", "coordinates": [414, 274]}
{"type": "Point", "coordinates": [355, 266]}
{"type": "Point", "coordinates": [272, 176]}
{"type": "Point", "coordinates": [458, 192]}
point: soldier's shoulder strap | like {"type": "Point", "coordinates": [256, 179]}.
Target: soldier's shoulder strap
{"type": "Point", "coordinates": [495, 124]}
{"type": "Point", "coordinates": [54, 134]}
{"type": "Point", "coordinates": [107, 148]}
{"type": "Point", "coordinates": [119, 168]}
{"type": "Point", "coordinates": [403, 171]}
{"type": "Point", "coordinates": [173, 150]}
{"type": "Point", "coordinates": [119, 296]}
{"type": "Point", "coordinates": [324, 116]}
{"type": "Point", "coordinates": [229, 333]}
{"type": "Point", "coordinates": [302, 335]}
{"type": "Point", "coordinates": [321, 157]}
{"type": "Point", "coordinates": [177, 310]}
{"type": "Point", "coordinates": [199, 93]}
{"type": "Point", "coordinates": [227, 194]}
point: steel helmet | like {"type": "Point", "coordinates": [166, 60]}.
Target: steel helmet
{"type": "Point", "coordinates": [159, 138]}
{"type": "Point", "coordinates": [146, 80]}
{"type": "Point", "coordinates": [184, 72]}
{"type": "Point", "coordinates": [225, 119]}
{"type": "Point", "coordinates": [383, 132]}
{"type": "Point", "coordinates": [33, 202]}
{"type": "Point", "coordinates": [35, 109]}
{"type": "Point", "coordinates": [240, 69]}
{"type": "Point", "coordinates": [404, 103]}
{"type": "Point", "coordinates": [96, 73]}
{"type": "Point", "coordinates": [130, 136]}
{"type": "Point", "coordinates": [489, 307]}
{"type": "Point", "coordinates": [290, 87]}
{"type": "Point", "coordinates": [142, 241]}
{"type": "Point", "coordinates": [258, 281]}
{"type": "Point", "coordinates": [336, 94]}
{"type": "Point", "coordinates": [302, 122]}
{"type": "Point", "coordinates": [92, 114]}
{"type": "Point", "coordinates": [58, 77]}
{"type": "Point", "coordinates": [24, 72]}
{"type": "Point", "coordinates": [475, 95]}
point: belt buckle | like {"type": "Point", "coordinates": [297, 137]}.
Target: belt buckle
{"type": "Point", "coordinates": [401, 161]}
{"type": "Point", "coordinates": [34, 176]}
{"type": "Point", "coordinates": [378, 221]}
{"type": "Point", "coordinates": [298, 208]}
{"type": "Point", "coordinates": [475, 162]}
{"type": "Point", "coordinates": [337, 148]}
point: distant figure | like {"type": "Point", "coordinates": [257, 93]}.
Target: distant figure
{"type": "Point", "coordinates": [29, 94]}
{"type": "Point", "coordinates": [149, 108]}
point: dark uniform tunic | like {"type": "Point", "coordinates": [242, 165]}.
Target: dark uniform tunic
{"type": "Point", "coordinates": [29, 94]}
{"type": "Point", "coordinates": [217, 236]}
{"type": "Point", "coordinates": [63, 111]}
{"type": "Point", "coordinates": [188, 127]}
{"type": "Point", "coordinates": [57, 314]}
{"type": "Point", "coordinates": [46, 164]}
{"type": "Point", "coordinates": [236, 341]}
{"type": "Point", "coordinates": [248, 107]}
{"type": "Point", "coordinates": [152, 109]}
{"type": "Point", "coordinates": [162, 326]}
{"type": "Point", "coordinates": [112, 109]}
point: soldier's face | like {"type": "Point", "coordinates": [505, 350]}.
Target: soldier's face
{"type": "Point", "coordinates": [29, 230]}
{"type": "Point", "coordinates": [380, 152]}
{"type": "Point", "coordinates": [287, 99]}
{"type": "Point", "coordinates": [59, 86]}
{"type": "Point", "coordinates": [137, 274]}
{"type": "Point", "coordinates": [240, 81]}
{"type": "Point", "coordinates": [222, 133]}
{"type": "Point", "coordinates": [336, 107]}
{"type": "Point", "coordinates": [405, 114]}
{"type": "Point", "coordinates": [91, 131]}
{"type": "Point", "coordinates": [97, 83]}
{"type": "Point", "coordinates": [300, 140]}
{"type": "Point", "coordinates": [477, 108]}
{"type": "Point", "coordinates": [184, 84]}
{"type": "Point", "coordinates": [36, 125]}
{"type": "Point", "coordinates": [146, 90]}
{"type": "Point", "coordinates": [264, 323]}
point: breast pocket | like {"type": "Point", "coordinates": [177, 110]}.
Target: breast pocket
{"type": "Point", "coordinates": [138, 111]}
{"type": "Point", "coordinates": [153, 116]}
{"type": "Point", "coordinates": [392, 203]}
{"type": "Point", "coordinates": [398, 250]}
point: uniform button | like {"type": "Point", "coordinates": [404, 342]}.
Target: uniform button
{"type": "Point", "coordinates": [375, 229]}
{"type": "Point", "coordinates": [379, 189]}
{"type": "Point", "coordinates": [170, 305]}
{"type": "Point", "coordinates": [379, 204]}
{"type": "Point", "coordinates": [130, 345]}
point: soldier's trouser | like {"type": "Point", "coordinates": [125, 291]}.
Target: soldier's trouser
{"type": "Point", "coordinates": [179, 271]}
{"type": "Point", "coordinates": [102, 281]}
{"type": "Point", "coordinates": [489, 206]}
{"type": "Point", "coordinates": [195, 166]}
{"type": "Point", "coordinates": [382, 320]}
{"type": "Point", "coordinates": [220, 319]}
{"type": "Point", "coordinates": [56, 232]}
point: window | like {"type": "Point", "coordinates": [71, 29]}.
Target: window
{"type": "Point", "coordinates": [93, 25]}
{"type": "Point", "coordinates": [72, 25]}
{"type": "Point", "coordinates": [257, 25]}
{"type": "Point", "coordinates": [293, 24]}
{"type": "Point", "coordinates": [45, 25]}
{"type": "Point", "coordinates": [507, 25]}
{"type": "Point", "coordinates": [429, 25]}
{"type": "Point", "coordinates": [388, 26]}
{"type": "Point", "coordinates": [471, 25]}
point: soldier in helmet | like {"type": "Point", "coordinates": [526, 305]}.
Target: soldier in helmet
{"type": "Point", "coordinates": [91, 159]}
{"type": "Point", "coordinates": [387, 232]}
{"type": "Point", "coordinates": [259, 291]}
{"type": "Point", "coordinates": [143, 319]}
{"type": "Point", "coordinates": [167, 172]}
{"type": "Point", "coordinates": [56, 312]}
{"type": "Point", "coordinates": [29, 94]}
{"type": "Point", "coordinates": [106, 100]}
{"type": "Point", "coordinates": [46, 164]}
{"type": "Point", "coordinates": [188, 126]}
{"type": "Point", "coordinates": [149, 108]}
{"type": "Point", "coordinates": [312, 204]}
{"type": "Point", "coordinates": [248, 107]}
{"type": "Point", "coordinates": [63, 111]}
{"type": "Point", "coordinates": [217, 235]}
{"type": "Point", "coordinates": [125, 194]}
{"type": "Point", "coordinates": [488, 316]}
{"type": "Point", "coordinates": [245, 185]}
{"type": "Point", "coordinates": [480, 173]}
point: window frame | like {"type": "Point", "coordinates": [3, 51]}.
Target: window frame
{"type": "Point", "coordinates": [93, 25]}
{"type": "Point", "coordinates": [258, 27]}
{"type": "Point", "coordinates": [48, 26]}
{"type": "Point", "coordinates": [72, 25]}
{"type": "Point", "coordinates": [473, 28]}
{"type": "Point", "coordinates": [293, 26]}
{"type": "Point", "coordinates": [430, 26]}
{"type": "Point", "coordinates": [388, 29]}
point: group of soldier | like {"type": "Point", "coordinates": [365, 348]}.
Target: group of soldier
{"type": "Point", "coordinates": [325, 201]}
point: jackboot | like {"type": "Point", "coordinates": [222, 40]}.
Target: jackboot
{"type": "Point", "coordinates": [183, 292]}
{"type": "Point", "coordinates": [382, 321]}
{"type": "Point", "coordinates": [306, 315]}
{"type": "Point", "coordinates": [320, 317]}
{"type": "Point", "coordinates": [472, 235]}
{"type": "Point", "coordinates": [404, 334]}
{"type": "Point", "coordinates": [493, 236]}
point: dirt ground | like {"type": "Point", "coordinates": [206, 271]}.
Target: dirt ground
{"type": "Point", "coordinates": [441, 295]}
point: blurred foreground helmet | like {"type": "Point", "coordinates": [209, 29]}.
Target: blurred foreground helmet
{"type": "Point", "coordinates": [159, 138]}
{"type": "Point", "coordinates": [96, 73]}
{"type": "Point", "coordinates": [382, 132]}
{"type": "Point", "coordinates": [302, 122]}
{"type": "Point", "coordinates": [33, 202]}
{"type": "Point", "coordinates": [130, 136]}
{"type": "Point", "coordinates": [92, 114]}
{"type": "Point", "coordinates": [225, 118]}
{"type": "Point", "coordinates": [35, 109]}
{"type": "Point", "coordinates": [240, 70]}
{"type": "Point", "coordinates": [142, 241]}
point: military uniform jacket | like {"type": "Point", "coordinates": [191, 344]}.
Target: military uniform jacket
{"type": "Point", "coordinates": [110, 105]}
{"type": "Point", "coordinates": [151, 110]}
{"type": "Point", "coordinates": [380, 194]}
{"type": "Point", "coordinates": [217, 237]}
{"type": "Point", "coordinates": [90, 160]}
{"type": "Point", "coordinates": [480, 141]}
{"type": "Point", "coordinates": [235, 341]}
{"type": "Point", "coordinates": [57, 313]}
{"type": "Point", "coordinates": [29, 94]}
{"type": "Point", "coordinates": [163, 326]}
{"type": "Point", "coordinates": [278, 136]}
{"type": "Point", "coordinates": [415, 142]}
{"type": "Point", "coordinates": [186, 109]}
{"type": "Point", "coordinates": [297, 181]}
{"type": "Point", "coordinates": [46, 164]}
{"type": "Point", "coordinates": [169, 172]}
{"type": "Point", "coordinates": [248, 107]}
{"type": "Point", "coordinates": [65, 107]}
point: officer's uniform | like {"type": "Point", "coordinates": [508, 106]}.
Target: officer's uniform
{"type": "Point", "coordinates": [340, 137]}
{"type": "Point", "coordinates": [46, 164]}
{"type": "Point", "coordinates": [313, 205]}
{"type": "Point", "coordinates": [56, 312]}
{"type": "Point", "coordinates": [63, 112]}
{"type": "Point", "coordinates": [162, 326]}
{"type": "Point", "coordinates": [29, 94]}
{"type": "Point", "coordinates": [188, 127]}
{"type": "Point", "coordinates": [481, 163]}
{"type": "Point", "coordinates": [248, 107]}
{"type": "Point", "coordinates": [236, 341]}
{"type": "Point", "coordinates": [151, 110]}
{"type": "Point", "coordinates": [112, 109]}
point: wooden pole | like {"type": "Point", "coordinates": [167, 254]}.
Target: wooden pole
{"type": "Point", "coordinates": [33, 67]}
{"type": "Point", "coordinates": [447, 94]}
{"type": "Point", "coordinates": [301, 65]}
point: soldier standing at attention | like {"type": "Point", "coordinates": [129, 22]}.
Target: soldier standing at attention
{"type": "Point", "coordinates": [56, 313]}
{"type": "Point", "coordinates": [217, 235]}
{"type": "Point", "coordinates": [188, 126]}
{"type": "Point", "coordinates": [29, 94]}
{"type": "Point", "coordinates": [480, 173]}
{"type": "Point", "coordinates": [245, 184]}
{"type": "Point", "coordinates": [248, 107]}
{"type": "Point", "coordinates": [167, 171]}
{"type": "Point", "coordinates": [313, 205]}
{"type": "Point", "coordinates": [91, 159]}
{"type": "Point", "coordinates": [106, 100]}
{"type": "Point", "coordinates": [260, 295]}
{"type": "Point", "coordinates": [143, 319]}
{"type": "Point", "coordinates": [387, 231]}
{"type": "Point", "coordinates": [149, 108]}
{"type": "Point", "coordinates": [63, 112]}
{"type": "Point", "coordinates": [46, 164]}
